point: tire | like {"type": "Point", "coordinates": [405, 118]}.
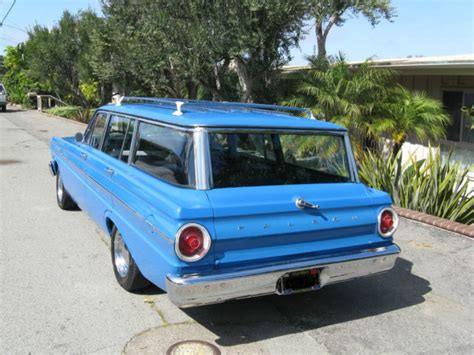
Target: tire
{"type": "Point", "coordinates": [4, 108]}
{"type": "Point", "coordinates": [126, 271]}
{"type": "Point", "coordinates": [65, 201]}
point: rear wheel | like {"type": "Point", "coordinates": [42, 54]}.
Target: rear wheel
{"type": "Point", "coordinates": [4, 108]}
{"type": "Point", "coordinates": [65, 201]}
{"type": "Point", "coordinates": [126, 271]}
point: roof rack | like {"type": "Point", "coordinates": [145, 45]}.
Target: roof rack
{"type": "Point", "coordinates": [203, 104]}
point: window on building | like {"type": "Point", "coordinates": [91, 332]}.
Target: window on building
{"type": "Point", "coordinates": [459, 104]}
{"type": "Point", "coordinates": [165, 153]}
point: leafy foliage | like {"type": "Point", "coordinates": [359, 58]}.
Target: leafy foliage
{"type": "Point", "coordinates": [368, 102]}
{"type": "Point", "coordinates": [432, 185]}
{"type": "Point", "coordinates": [57, 57]}
{"type": "Point", "coordinates": [75, 113]}
{"type": "Point", "coordinates": [16, 78]}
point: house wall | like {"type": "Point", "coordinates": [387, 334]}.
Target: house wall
{"type": "Point", "coordinates": [434, 85]}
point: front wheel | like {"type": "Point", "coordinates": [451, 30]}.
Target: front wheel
{"type": "Point", "coordinates": [65, 201]}
{"type": "Point", "coordinates": [126, 271]}
{"type": "Point", "coordinates": [4, 108]}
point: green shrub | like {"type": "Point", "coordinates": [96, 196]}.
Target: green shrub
{"type": "Point", "coordinates": [431, 185]}
{"type": "Point", "coordinates": [75, 113]}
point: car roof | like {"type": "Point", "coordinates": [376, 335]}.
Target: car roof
{"type": "Point", "coordinates": [225, 115]}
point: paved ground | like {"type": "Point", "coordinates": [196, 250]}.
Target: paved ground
{"type": "Point", "coordinates": [58, 293]}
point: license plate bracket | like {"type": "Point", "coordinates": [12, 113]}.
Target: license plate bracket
{"type": "Point", "coordinates": [299, 281]}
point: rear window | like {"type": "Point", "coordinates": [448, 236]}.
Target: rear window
{"type": "Point", "coordinates": [166, 153]}
{"type": "Point", "coordinates": [259, 159]}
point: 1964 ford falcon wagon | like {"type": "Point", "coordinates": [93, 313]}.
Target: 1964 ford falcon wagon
{"type": "Point", "coordinates": [217, 201]}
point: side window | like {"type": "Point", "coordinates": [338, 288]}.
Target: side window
{"type": "Point", "coordinates": [165, 153]}
{"type": "Point", "coordinates": [118, 138]}
{"type": "Point", "coordinates": [96, 131]}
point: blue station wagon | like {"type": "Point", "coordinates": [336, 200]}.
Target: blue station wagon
{"type": "Point", "coordinates": [217, 201]}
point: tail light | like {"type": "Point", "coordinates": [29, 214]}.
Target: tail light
{"type": "Point", "coordinates": [387, 222]}
{"type": "Point", "coordinates": [192, 242]}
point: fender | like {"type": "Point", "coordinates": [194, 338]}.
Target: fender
{"type": "Point", "coordinates": [143, 249]}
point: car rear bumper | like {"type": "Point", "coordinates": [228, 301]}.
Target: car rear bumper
{"type": "Point", "coordinates": [196, 290]}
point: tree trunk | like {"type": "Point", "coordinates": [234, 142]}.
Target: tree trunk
{"type": "Point", "coordinates": [397, 146]}
{"type": "Point", "coordinates": [321, 41]}
{"type": "Point", "coordinates": [192, 88]}
{"type": "Point", "coordinates": [245, 80]}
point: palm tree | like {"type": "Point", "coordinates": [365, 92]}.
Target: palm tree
{"type": "Point", "coordinates": [354, 97]}
{"type": "Point", "coordinates": [415, 115]}
{"type": "Point", "coordinates": [369, 103]}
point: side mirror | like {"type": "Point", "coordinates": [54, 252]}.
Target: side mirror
{"type": "Point", "coordinates": [79, 137]}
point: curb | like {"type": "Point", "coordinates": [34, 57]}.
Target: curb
{"type": "Point", "coordinates": [439, 222]}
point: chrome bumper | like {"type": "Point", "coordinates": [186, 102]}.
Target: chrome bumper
{"type": "Point", "coordinates": [196, 290]}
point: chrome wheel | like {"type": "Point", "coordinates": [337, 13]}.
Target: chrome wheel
{"type": "Point", "coordinates": [121, 255]}
{"type": "Point", "coordinates": [60, 188]}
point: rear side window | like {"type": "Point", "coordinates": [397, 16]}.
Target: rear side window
{"type": "Point", "coordinates": [2, 89]}
{"type": "Point", "coordinates": [96, 131]}
{"type": "Point", "coordinates": [165, 153]}
{"type": "Point", "coordinates": [119, 136]}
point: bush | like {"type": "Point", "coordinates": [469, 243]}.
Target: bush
{"type": "Point", "coordinates": [429, 185]}
{"type": "Point", "coordinates": [75, 113]}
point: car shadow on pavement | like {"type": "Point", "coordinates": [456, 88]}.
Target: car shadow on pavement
{"type": "Point", "coordinates": [255, 319]}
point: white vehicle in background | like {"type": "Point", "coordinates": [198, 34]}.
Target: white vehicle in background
{"type": "Point", "coordinates": [3, 98]}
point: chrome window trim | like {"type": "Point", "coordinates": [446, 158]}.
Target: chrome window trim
{"type": "Point", "coordinates": [347, 144]}
{"type": "Point", "coordinates": [135, 146]}
{"type": "Point", "coordinates": [201, 164]}
{"type": "Point", "coordinates": [351, 159]}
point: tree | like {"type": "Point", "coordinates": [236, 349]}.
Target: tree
{"type": "Point", "coordinates": [369, 102]}
{"type": "Point", "coordinates": [353, 97]}
{"type": "Point", "coordinates": [178, 47]}
{"type": "Point", "coordinates": [329, 13]}
{"type": "Point", "coordinates": [415, 115]}
{"type": "Point", "coordinates": [58, 57]}
{"type": "Point", "coordinates": [16, 78]}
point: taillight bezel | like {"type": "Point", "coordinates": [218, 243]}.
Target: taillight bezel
{"type": "Point", "coordinates": [395, 218]}
{"type": "Point", "coordinates": [206, 242]}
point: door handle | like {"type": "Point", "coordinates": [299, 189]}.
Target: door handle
{"type": "Point", "coordinates": [109, 171]}
{"type": "Point", "coordinates": [84, 156]}
{"type": "Point", "coordinates": [300, 203]}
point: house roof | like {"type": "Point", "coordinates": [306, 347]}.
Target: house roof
{"type": "Point", "coordinates": [225, 117]}
{"type": "Point", "coordinates": [462, 64]}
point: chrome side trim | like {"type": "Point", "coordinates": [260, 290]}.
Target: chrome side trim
{"type": "Point", "coordinates": [154, 229]}
{"type": "Point", "coordinates": [196, 290]}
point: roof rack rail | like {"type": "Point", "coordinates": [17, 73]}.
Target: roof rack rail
{"type": "Point", "coordinates": [202, 104]}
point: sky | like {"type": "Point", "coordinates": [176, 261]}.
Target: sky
{"type": "Point", "coordinates": [421, 28]}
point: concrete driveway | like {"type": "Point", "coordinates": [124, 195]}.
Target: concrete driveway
{"type": "Point", "coordinates": [58, 293]}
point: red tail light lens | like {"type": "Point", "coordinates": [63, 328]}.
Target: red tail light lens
{"type": "Point", "coordinates": [192, 242]}
{"type": "Point", "coordinates": [388, 222]}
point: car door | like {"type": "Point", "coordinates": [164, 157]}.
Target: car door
{"type": "Point", "coordinates": [96, 196]}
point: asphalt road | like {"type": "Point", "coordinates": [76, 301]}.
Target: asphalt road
{"type": "Point", "coordinates": [58, 293]}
